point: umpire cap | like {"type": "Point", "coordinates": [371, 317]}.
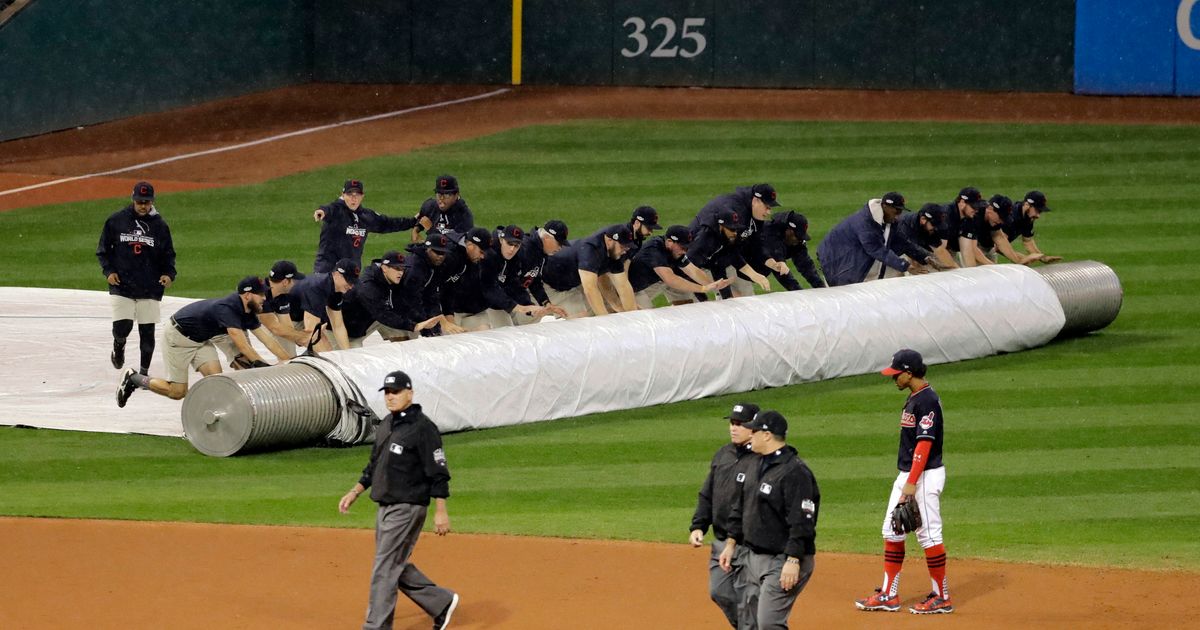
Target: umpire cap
{"type": "Point", "coordinates": [772, 421]}
{"type": "Point", "coordinates": [396, 381]}
{"type": "Point", "coordinates": [743, 412]}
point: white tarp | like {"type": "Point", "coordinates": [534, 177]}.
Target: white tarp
{"type": "Point", "coordinates": [58, 375]}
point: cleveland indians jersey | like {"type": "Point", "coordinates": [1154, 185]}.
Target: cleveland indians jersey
{"type": "Point", "coordinates": [921, 420]}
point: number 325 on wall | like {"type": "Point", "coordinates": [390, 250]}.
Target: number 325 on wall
{"type": "Point", "coordinates": [690, 35]}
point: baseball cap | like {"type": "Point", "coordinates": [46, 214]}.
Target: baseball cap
{"type": "Point", "coordinates": [1034, 198]}
{"type": "Point", "coordinates": [558, 230]}
{"type": "Point", "coordinates": [766, 193]}
{"type": "Point", "coordinates": [143, 191]}
{"type": "Point", "coordinates": [932, 213]}
{"type": "Point", "coordinates": [970, 194]}
{"type": "Point", "coordinates": [479, 236]}
{"type": "Point", "coordinates": [438, 242]}
{"type": "Point", "coordinates": [799, 223]}
{"type": "Point", "coordinates": [621, 234]}
{"type": "Point", "coordinates": [251, 284]}
{"type": "Point", "coordinates": [446, 184]}
{"type": "Point", "coordinates": [895, 200]}
{"type": "Point", "coordinates": [648, 216]}
{"type": "Point", "coordinates": [284, 269]}
{"type": "Point", "coordinates": [732, 220]}
{"type": "Point", "coordinates": [393, 259]}
{"type": "Point", "coordinates": [348, 268]}
{"type": "Point", "coordinates": [511, 233]}
{"type": "Point", "coordinates": [904, 361]}
{"type": "Point", "coordinates": [396, 381]}
{"type": "Point", "coordinates": [680, 234]}
{"type": "Point", "coordinates": [1001, 204]}
{"type": "Point", "coordinates": [743, 412]}
{"type": "Point", "coordinates": [772, 421]}
{"type": "Point", "coordinates": [353, 185]}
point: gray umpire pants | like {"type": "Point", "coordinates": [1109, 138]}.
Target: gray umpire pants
{"type": "Point", "coordinates": [397, 527]}
{"type": "Point", "coordinates": [728, 590]}
{"type": "Point", "coordinates": [771, 603]}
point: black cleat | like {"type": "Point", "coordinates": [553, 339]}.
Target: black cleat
{"type": "Point", "coordinates": [118, 356]}
{"type": "Point", "coordinates": [442, 621]}
{"type": "Point", "coordinates": [125, 389]}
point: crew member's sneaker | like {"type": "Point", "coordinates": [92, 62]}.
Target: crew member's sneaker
{"type": "Point", "coordinates": [442, 621]}
{"type": "Point", "coordinates": [125, 389]}
{"type": "Point", "coordinates": [933, 605]}
{"type": "Point", "coordinates": [879, 601]}
{"type": "Point", "coordinates": [118, 355]}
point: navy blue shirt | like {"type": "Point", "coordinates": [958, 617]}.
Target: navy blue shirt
{"type": "Point", "coordinates": [586, 254]}
{"type": "Point", "coordinates": [456, 218]}
{"type": "Point", "coordinates": [653, 254]}
{"type": "Point", "coordinates": [203, 320]}
{"type": "Point", "coordinates": [921, 420]}
{"type": "Point", "coordinates": [344, 233]}
{"type": "Point", "coordinates": [533, 261]}
{"type": "Point", "coordinates": [1018, 225]}
{"type": "Point", "coordinates": [957, 225]}
{"type": "Point", "coordinates": [775, 245]}
{"type": "Point", "coordinates": [913, 240]}
{"type": "Point", "coordinates": [314, 294]}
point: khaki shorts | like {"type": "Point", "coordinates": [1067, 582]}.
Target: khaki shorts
{"type": "Point", "coordinates": [741, 287]}
{"type": "Point", "coordinates": [144, 311]}
{"type": "Point", "coordinates": [179, 353]}
{"type": "Point", "coordinates": [645, 297]}
{"type": "Point", "coordinates": [486, 319]}
{"type": "Point", "coordinates": [571, 301]}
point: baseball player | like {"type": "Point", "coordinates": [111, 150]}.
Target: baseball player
{"type": "Point", "coordinates": [572, 276]}
{"type": "Point", "coordinates": [859, 248]}
{"type": "Point", "coordinates": [446, 211]}
{"type": "Point", "coordinates": [730, 465]}
{"type": "Point", "coordinates": [661, 266]}
{"type": "Point", "coordinates": [1021, 222]}
{"type": "Point", "coordinates": [539, 244]}
{"type": "Point", "coordinates": [921, 479]}
{"type": "Point", "coordinates": [785, 236]}
{"type": "Point", "coordinates": [189, 340]}
{"type": "Point", "coordinates": [345, 224]}
{"type": "Point", "coordinates": [406, 469]}
{"type": "Point", "coordinates": [138, 259]}
{"type": "Point", "coordinates": [775, 518]}
{"type": "Point", "coordinates": [753, 206]}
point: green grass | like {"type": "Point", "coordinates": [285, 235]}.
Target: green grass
{"type": "Point", "coordinates": [1085, 451]}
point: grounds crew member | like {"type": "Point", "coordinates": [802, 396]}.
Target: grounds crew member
{"type": "Point", "coordinates": [501, 276]}
{"type": "Point", "coordinates": [190, 340]}
{"type": "Point", "coordinates": [859, 248]}
{"type": "Point", "coordinates": [138, 260]}
{"type": "Point", "coordinates": [275, 315]}
{"type": "Point", "coordinates": [728, 470]}
{"type": "Point", "coordinates": [643, 223]}
{"type": "Point", "coordinates": [573, 274]}
{"type": "Point", "coordinates": [345, 223]}
{"type": "Point", "coordinates": [428, 267]}
{"type": "Point", "coordinates": [1021, 221]}
{"type": "Point", "coordinates": [376, 303]}
{"type": "Point", "coordinates": [785, 236]}
{"type": "Point", "coordinates": [919, 237]}
{"type": "Point", "coordinates": [539, 244]}
{"type": "Point", "coordinates": [407, 468]}
{"type": "Point", "coordinates": [717, 249]}
{"type": "Point", "coordinates": [775, 517]}
{"type": "Point", "coordinates": [446, 211]}
{"type": "Point", "coordinates": [321, 296]}
{"type": "Point", "coordinates": [659, 267]}
{"type": "Point", "coordinates": [962, 224]}
{"type": "Point", "coordinates": [922, 478]}
{"type": "Point", "coordinates": [753, 205]}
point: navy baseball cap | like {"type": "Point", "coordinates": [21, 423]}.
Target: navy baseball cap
{"type": "Point", "coordinates": [932, 213]}
{"type": "Point", "coordinates": [679, 234]}
{"type": "Point", "coordinates": [1034, 198]}
{"type": "Point", "coordinates": [446, 184]}
{"type": "Point", "coordinates": [1001, 204]}
{"type": "Point", "coordinates": [621, 234]}
{"type": "Point", "coordinates": [799, 223]}
{"type": "Point", "coordinates": [251, 284]}
{"type": "Point", "coordinates": [648, 216]}
{"type": "Point", "coordinates": [439, 243]}
{"type": "Point", "coordinates": [895, 200]}
{"type": "Point", "coordinates": [512, 234]}
{"type": "Point", "coordinates": [772, 421]}
{"type": "Point", "coordinates": [353, 186]}
{"type": "Point", "coordinates": [766, 193]}
{"type": "Point", "coordinates": [393, 259]}
{"type": "Point", "coordinates": [970, 194]}
{"type": "Point", "coordinates": [396, 381]}
{"type": "Point", "coordinates": [284, 270]}
{"type": "Point", "coordinates": [479, 236]}
{"type": "Point", "coordinates": [558, 230]}
{"type": "Point", "coordinates": [143, 191]}
{"type": "Point", "coordinates": [743, 412]}
{"type": "Point", "coordinates": [732, 220]}
{"type": "Point", "coordinates": [348, 268]}
{"type": "Point", "coordinates": [904, 361]}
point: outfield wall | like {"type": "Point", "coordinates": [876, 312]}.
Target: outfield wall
{"type": "Point", "coordinates": [1150, 47]}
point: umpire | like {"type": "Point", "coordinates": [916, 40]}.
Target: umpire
{"type": "Point", "coordinates": [721, 488]}
{"type": "Point", "coordinates": [775, 517]}
{"type": "Point", "coordinates": [138, 260]}
{"type": "Point", "coordinates": [407, 467]}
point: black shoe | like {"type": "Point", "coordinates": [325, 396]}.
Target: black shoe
{"type": "Point", "coordinates": [118, 355]}
{"type": "Point", "coordinates": [125, 389]}
{"type": "Point", "coordinates": [442, 621]}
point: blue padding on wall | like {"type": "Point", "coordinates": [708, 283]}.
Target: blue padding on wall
{"type": "Point", "coordinates": [1124, 47]}
{"type": "Point", "coordinates": [1187, 51]}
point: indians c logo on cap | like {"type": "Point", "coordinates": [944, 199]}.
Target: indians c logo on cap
{"type": "Point", "coordinates": [143, 190]}
{"type": "Point", "coordinates": [443, 182]}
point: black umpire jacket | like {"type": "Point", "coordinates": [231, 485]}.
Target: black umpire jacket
{"type": "Point", "coordinates": [139, 250]}
{"type": "Point", "coordinates": [777, 509]}
{"type": "Point", "coordinates": [728, 470]}
{"type": "Point", "coordinates": [407, 462]}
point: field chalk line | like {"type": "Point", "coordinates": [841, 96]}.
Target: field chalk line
{"type": "Point", "coordinates": [243, 145]}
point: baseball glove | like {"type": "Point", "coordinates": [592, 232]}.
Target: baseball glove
{"type": "Point", "coordinates": [906, 517]}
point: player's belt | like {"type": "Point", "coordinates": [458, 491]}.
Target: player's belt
{"type": "Point", "coordinates": [182, 332]}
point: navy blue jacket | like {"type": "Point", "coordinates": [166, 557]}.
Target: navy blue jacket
{"type": "Point", "coordinates": [139, 250]}
{"type": "Point", "coordinates": [344, 233]}
{"type": "Point", "coordinates": [852, 246]}
{"type": "Point", "coordinates": [456, 218]}
{"type": "Point", "coordinates": [533, 261]}
{"type": "Point", "coordinates": [912, 240]}
{"type": "Point", "coordinates": [774, 245]}
{"type": "Point", "coordinates": [374, 299]}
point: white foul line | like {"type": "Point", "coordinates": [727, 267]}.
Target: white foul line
{"type": "Point", "coordinates": [243, 145]}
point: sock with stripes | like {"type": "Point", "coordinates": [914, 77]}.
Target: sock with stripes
{"type": "Point", "coordinates": [893, 561]}
{"type": "Point", "coordinates": [935, 558]}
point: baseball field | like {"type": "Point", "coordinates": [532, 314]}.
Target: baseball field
{"type": "Point", "coordinates": [1073, 491]}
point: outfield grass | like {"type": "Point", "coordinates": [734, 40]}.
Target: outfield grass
{"type": "Point", "coordinates": [1084, 451]}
